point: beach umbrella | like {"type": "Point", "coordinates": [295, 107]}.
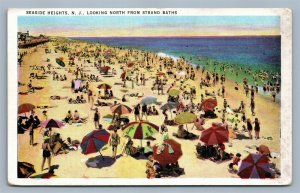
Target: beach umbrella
{"type": "Point", "coordinates": [52, 123]}
{"type": "Point", "coordinates": [129, 65]}
{"type": "Point", "coordinates": [120, 109]}
{"type": "Point", "coordinates": [169, 106]}
{"type": "Point", "coordinates": [254, 166]}
{"type": "Point", "coordinates": [25, 169]}
{"type": "Point", "coordinates": [209, 104]}
{"type": "Point", "coordinates": [169, 152]}
{"type": "Point", "coordinates": [94, 141]}
{"type": "Point", "coordinates": [185, 118]}
{"type": "Point", "coordinates": [174, 92]}
{"type": "Point", "coordinates": [112, 127]}
{"type": "Point", "coordinates": [263, 149]}
{"type": "Point", "coordinates": [60, 62]}
{"type": "Point", "coordinates": [104, 86]}
{"type": "Point", "coordinates": [161, 74]}
{"type": "Point", "coordinates": [26, 107]}
{"type": "Point", "coordinates": [216, 134]}
{"type": "Point", "coordinates": [140, 130]}
{"type": "Point", "coordinates": [149, 100]}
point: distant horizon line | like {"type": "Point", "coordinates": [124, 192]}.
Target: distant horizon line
{"type": "Point", "coordinates": [168, 36]}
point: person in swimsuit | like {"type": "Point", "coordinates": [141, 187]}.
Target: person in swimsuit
{"type": "Point", "coordinates": [256, 128]}
{"type": "Point", "coordinates": [249, 128]}
{"type": "Point", "coordinates": [46, 153]}
{"type": "Point", "coordinates": [137, 112]}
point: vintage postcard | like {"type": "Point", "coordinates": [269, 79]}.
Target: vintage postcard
{"type": "Point", "coordinates": [149, 97]}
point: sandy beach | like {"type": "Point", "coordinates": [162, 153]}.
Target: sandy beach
{"type": "Point", "coordinates": [73, 163]}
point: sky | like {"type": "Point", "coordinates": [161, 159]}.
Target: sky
{"type": "Point", "coordinates": [149, 26]}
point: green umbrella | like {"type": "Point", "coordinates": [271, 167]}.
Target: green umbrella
{"type": "Point", "coordinates": [140, 129]}
{"type": "Point", "coordinates": [174, 92]}
{"type": "Point", "coordinates": [185, 118]}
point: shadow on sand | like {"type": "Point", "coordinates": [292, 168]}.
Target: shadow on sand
{"type": "Point", "coordinates": [48, 174]}
{"type": "Point", "coordinates": [101, 161]}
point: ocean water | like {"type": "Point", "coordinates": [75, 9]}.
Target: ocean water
{"type": "Point", "coordinates": [255, 52]}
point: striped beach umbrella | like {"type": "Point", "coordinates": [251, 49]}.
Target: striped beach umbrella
{"type": "Point", "coordinates": [120, 109]}
{"type": "Point", "coordinates": [140, 129]}
{"type": "Point", "coordinates": [52, 123]}
{"type": "Point", "coordinates": [94, 141]}
{"type": "Point", "coordinates": [254, 166]}
{"type": "Point", "coordinates": [216, 134]}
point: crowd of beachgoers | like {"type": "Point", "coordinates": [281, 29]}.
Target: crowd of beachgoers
{"type": "Point", "coordinates": [131, 107]}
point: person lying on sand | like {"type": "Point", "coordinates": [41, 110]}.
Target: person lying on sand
{"type": "Point", "coordinates": [56, 97]}
{"type": "Point", "coordinates": [136, 95]}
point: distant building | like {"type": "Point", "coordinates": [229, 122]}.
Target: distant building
{"type": "Point", "coordinates": [26, 40]}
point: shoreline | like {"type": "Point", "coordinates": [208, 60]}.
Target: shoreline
{"type": "Point", "coordinates": [126, 166]}
{"type": "Point", "coordinates": [201, 61]}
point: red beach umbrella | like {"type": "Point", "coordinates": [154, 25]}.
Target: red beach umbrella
{"type": "Point", "coordinates": [169, 153]}
{"type": "Point", "coordinates": [129, 65]}
{"type": "Point", "coordinates": [94, 141]}
{"type": "Point", "coordinates": [209, 104]}
{"type": "Point", "coordinates": [161, 74]}
{"type": "Point", "coordinates": [26, 107]}
{"type": "Point", "coordinates": [254, 166]}
{"type": "Point", "coordinates": [214, 135]}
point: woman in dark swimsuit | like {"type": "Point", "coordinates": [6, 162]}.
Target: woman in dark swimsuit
{"type": "Point", "coordinates": [249, 128]}
{"type": "Point", "coordinates": [46, 153]}
{"type": "Point", "coordinates": [137, 112]}
{"type": "Point", "coordinates": [256, 128]}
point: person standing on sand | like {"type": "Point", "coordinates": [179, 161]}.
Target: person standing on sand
{"type": "Point", "coordinates": [96, 118]}
{"type": "Point", "coordinates": [144, 111]}
{"type": "Point", "coordinates": [274, 95]}
{"type": "Point", "coordinates": [223, 91]}
{"type": "Point", "coordinates": [46, 153]}
{"type": "Point", "coordinates": [252, 106]}
{"type": "Point", "coordinates": [137, 112]}
{"type": "Point", "coordinates": [249, 128]}
{"type": "Point", "coordinates": [257, 128]}
{"type": "Point", "coordinates": [114, 142]}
